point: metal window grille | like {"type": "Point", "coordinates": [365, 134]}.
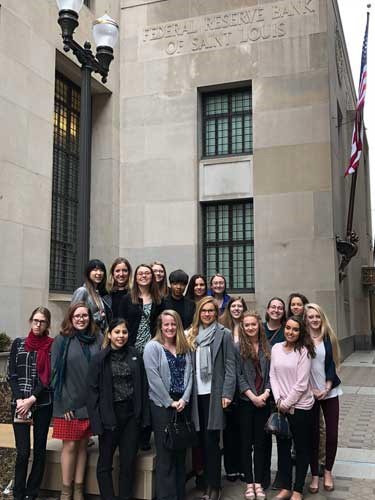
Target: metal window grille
{"type": "Point", "coordinates": [227, 123]}
{"type": "Point", "coordinates": [63, 273]}
{"type": "Point", "coordinates": [228, 243]}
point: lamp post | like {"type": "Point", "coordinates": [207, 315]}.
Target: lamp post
{"type": "Point", "coordinates": [105, 33]}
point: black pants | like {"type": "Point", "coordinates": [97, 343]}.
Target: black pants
{"type": "Point", "coordinates": [301, 428]}
{"type": "Point", "coordinates": [253, 437]}
{"type": "Point", "coordinates": [170, 465]}
{"type": "Point", "coordinates": [126, 437]}
{"type": "Point", "coordinates": [41, 420]}
{"type": "Point", "coordinates": [210, 443]}
{"type": "Point", "coordinates": [232, 440]}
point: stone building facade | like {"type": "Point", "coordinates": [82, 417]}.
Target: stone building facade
{"type": "Point", "coordinates": [219, 143]}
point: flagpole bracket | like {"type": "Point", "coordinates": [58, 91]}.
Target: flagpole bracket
{"type": "Point", "coordinates": [347, 248]}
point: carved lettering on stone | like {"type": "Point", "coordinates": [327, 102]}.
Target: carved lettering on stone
{"type": "Point", "coordinates": [226, 29]}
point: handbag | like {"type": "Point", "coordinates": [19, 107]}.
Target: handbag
{"type": "Point", "coordinates": [27, 419]}
{"type": "Point", "coordinates": [180, 433]}
{"type": "Point", "coordinates": [278, 425]}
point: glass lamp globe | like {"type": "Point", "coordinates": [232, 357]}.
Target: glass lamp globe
{"type": "Point", "coordinates": [74, 5]}
{"type": "Point", "coordinates": [105, 32]}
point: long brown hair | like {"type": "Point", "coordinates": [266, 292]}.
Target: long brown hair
{"type": "Point", "coordinates": [182, 346]}
{"type": "Point", "coordinates": [246, 346]}
{"type": "Point", "coordinates": [67, 327]}
{"type": "Point", "coordinates": [163, 286]}
{"type": "Point", "coordinates": [111, 286]}
{"type": "Point", "coordinates": [193, 332]}
{"type": "Point", "coordinates": [154, 288]}
{"type": "Point", "coordinates": [226, 318]}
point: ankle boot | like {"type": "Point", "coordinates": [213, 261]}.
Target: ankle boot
{"type": "Point", "coordinates": [66, 492]}
{"type": "Point", "coordinates": [78, 491]}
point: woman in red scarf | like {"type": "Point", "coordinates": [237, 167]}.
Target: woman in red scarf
{"type": "Point", "coordinates": [29, 376]}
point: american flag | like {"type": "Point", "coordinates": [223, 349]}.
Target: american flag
{"type": "Point", "coordinates": [357, 139]}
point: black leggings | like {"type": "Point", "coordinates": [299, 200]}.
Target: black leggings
{"type": "Point", "coordinates": [210, 443]}
{"type": "Point", "coordinates": [41, 421]}
{"type": "Point", "coordinates": [253, 437]}
{"type": "Point", "coordinates": [301, 427]}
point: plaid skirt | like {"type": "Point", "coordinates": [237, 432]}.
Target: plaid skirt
{"type": "Point", "coordinates": [71, 430]}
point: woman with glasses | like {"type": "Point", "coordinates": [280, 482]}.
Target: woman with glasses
{"type": "Point", "coordinates": [72, 351]}
{"type": "Point", "coordinates": [214, 370]}
{"type": "Point", "coordinates": [93, 292]}
{"type": "Point", "coordinates": [141, 307]}
{"type": "Point", "coordinates": [29, 376]}
{"type": "Point", "coordinates": [218, 290]}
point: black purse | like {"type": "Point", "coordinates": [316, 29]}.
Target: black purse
{"type": "Point", "coordinates": [180, 433]}
{"type": "Point", "coordinates": [278, 425]}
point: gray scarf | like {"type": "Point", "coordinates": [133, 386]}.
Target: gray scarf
{"type": "Point", "coordinates": [204, 339]}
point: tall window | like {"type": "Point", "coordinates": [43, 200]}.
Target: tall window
{"type": "Point", "coordinates": [63, 273]}
{"type": "Point", "coordinates": [227, 123]}
{"type": "Point", "coordinates": [228, 243]}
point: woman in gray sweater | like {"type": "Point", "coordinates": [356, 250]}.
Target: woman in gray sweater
{"type": "Point", "coordinates": [214, 384]}
{"type": "Point", "coordinates": [71, 354]}
{"type": "Point", "coordinates": [168, 366]}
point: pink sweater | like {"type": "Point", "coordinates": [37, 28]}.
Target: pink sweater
{"type": "Point", "coordinates": [289, 377]}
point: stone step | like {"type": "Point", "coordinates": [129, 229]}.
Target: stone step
{"type": "Point", "coordinates": [144, 487]}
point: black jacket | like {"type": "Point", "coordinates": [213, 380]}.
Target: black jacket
{"type": "Point", "coordinates": [329, 363]}
{"type": "Point", "coordinates": [100, 399]}
{"type": "Point", "coordinates": [133, 315]}
{"type": "Point", "coordinates": [184, 307]}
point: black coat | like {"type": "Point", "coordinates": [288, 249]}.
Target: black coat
{"type": "Point", "coordinates": [132, 313]}
{"type": "Point", "coordinates": [100, 399]}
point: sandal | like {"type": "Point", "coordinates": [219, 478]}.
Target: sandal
{"type": "Point", "coordinates": [249, 493]}
{"type": "Point", "coordinates": [259, 492]}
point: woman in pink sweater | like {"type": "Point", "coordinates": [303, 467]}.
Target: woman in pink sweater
{"type": "Point", "coordinates": [289, 376]}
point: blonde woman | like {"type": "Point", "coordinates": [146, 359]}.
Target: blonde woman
{"type": "Point", "coordinates": [326, 389]}
{"type": "Point", "coordinates": [168, 366]}
{"type": "Point", "coordinates": [214, 385]}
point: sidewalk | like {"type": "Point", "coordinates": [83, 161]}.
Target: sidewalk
{"type": "Point", "coordinates": [354, 469]}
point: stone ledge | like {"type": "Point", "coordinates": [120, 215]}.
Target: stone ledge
{"type": "Point", "coordinates": [144, 487]}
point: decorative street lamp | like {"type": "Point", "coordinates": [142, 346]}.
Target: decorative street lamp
{"type": "Point", "coordinates": [105, 33]}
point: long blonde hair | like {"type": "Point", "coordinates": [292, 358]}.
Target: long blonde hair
{"type": "Point", "coordinates": [194, 330]}
{"type": "Point", "coordinates": [327, 331]}
{"type": "Point", "coordinates": [246, 346]}
{"type": "Point", "coordinates": [182, 346]}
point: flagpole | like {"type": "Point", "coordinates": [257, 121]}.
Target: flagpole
{"type": "Point", "coordinates": [348, 247]}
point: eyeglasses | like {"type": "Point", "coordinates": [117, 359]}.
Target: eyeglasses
{"type": "Point", "coordinates": [80, 316]}
{"type": "Point", "coordinates": [39, 322]}
{"type": "Point", "coordinates": [209, 311]}
{"type": "Point", "coordinates": [145, 273]}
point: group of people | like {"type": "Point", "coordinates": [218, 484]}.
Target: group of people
{"type": "Point", "coordinates": [134, 353]}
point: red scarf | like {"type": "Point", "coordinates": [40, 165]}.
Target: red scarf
{"type": "Point", "coordinates": [42, 346]}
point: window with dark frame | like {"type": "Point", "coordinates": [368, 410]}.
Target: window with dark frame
{"type": "Point", "coordinates": [87, 3]}
{"type": "Point", "coordinates": [227, 122]}
{"type": "Point", "coordinates": [228, 243]}
{"type": "Point", "coordinates": [63, 272]}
